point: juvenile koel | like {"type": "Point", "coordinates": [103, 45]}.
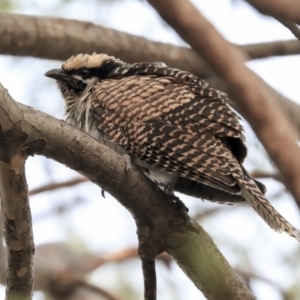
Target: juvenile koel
{"type": "Point", "coordinates": [171, 124]}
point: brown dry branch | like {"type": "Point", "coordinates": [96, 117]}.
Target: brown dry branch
{"type": "Point", "coordinates": [66, 284]}
{"type": "Point", "coordinates": [119, 256]}
{"type": "Point", "coordinates": [259, 174]}
{"type": "Point", "coordinates": [63, 276]}
{"type": "Point", "coordinates": [98, 290]}
{"type": "Point", "coordinates": [149, 273]}
{"type": "Point", "coordinates": [16, 217]}
{"type": "Point", "coordinates": [254, 98]}
{"type": "Point", "coordinates": [282, 9]}
{"type": "Point", "coordinates": [269, 49]}
{"type": "Point", "coordinates": [46, 38]}
{"type": "Point", "coordinates": [115, 257]}
{"type": "Point", "coordinates": [57, 185]}
{"type": "Point", "coordinates": [161, 226]}
{"type": "Point", "coordinates": [60, 209]}
{"type": "Point", "coordinates": [249, 274]}
{"type": "Point", "coordinates": [84, 264]}
{"type": "Point", "coordinates": [294, 29]}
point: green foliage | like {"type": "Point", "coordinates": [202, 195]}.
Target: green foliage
{"type": "Point", "coordinates": [7, 5]}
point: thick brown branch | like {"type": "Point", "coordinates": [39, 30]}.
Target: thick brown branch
{"type": "Point", "coordinates": [159, 221]}
{"type": "Point", "coordinates": [17, 222]}
{"type": "Point", "coordinates": [46, 38]}
{"type": "Point", "coordinates": [286, 9]}
{"type": "Point", "coordinates": [254, 98]}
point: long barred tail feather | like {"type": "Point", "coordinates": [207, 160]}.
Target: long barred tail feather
{"type": "Point", "coordinates": [263, 207]}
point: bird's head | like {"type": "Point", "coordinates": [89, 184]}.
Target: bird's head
{"type": "Point", "coordinates": [81, 71]}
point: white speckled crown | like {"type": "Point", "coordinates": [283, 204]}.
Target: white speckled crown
{"type": "Point", "coordinates": [86, 61]}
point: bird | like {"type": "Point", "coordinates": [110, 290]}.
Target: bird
{"type": "Point", "coordinates": [172, 125]}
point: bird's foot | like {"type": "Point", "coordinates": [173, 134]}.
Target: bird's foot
{"type": "Point", "coordinates": [127, 162]}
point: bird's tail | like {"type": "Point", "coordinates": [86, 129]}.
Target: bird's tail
{"type": "Point", "coordinates": [263, 207]}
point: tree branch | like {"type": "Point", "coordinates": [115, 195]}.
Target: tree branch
{"type": "Point", "coordinates": [253, 97]}
{"type": "Point", "coordinates": [46, 38]}
{"type": "Point", "coordinates": [292, 27]}
{"type": "Point", "coordinates": [259, 174]}
{"type": "Point", "coordinates": [158, 219]}
{"type": "Point", "coordinates": [67, 283]}
{"type": "Point", "coordinates": [269, 49]}
{"type": "Point", "coordinates": [286, 12]}
{"type": "Point", "coordinates": [283, 9]}
{"type": "Point", "coordinates": [57, 185]}
{"type": "Point", "coordinates": [149, 273]}
{"type": "Point", "coordinates": [17, 220]}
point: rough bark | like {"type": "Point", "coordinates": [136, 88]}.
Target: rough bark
{"type": "Point", "coordinates": [16, 216]}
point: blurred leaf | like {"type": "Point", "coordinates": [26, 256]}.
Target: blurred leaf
{"type": "Point", "coordinates": [6, 5]}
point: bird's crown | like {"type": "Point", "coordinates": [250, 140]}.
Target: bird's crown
{"type": "Point", "coordinates": [88, 61]}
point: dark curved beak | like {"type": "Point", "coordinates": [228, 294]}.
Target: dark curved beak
{"type": "Point", "coordinates": [58, 74]}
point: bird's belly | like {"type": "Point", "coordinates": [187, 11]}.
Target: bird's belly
{"type": "Point", "coordinates": [158, 176]}
{"type": "Point", "coordinates": [164, 179]}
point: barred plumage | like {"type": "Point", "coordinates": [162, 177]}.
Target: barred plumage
{"type": "Point", "coordinates": [169, 122]}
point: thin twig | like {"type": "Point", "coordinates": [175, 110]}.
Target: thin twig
{"type": "Point", "coordinates": [67, 283]}
{"type": "Point", "coordinates": [149, 274]}
{"type": "Point", "coordinates": [120, 256]}
{"type": "Point", "coordinates": [287, 9]}
{"type": "Point", "coordinates": [99, 290]}
{"type": "Point", "coordinates": [294, 29]}
{"type": "Point", "coordinates": [58, 185]}
{"type": "Point", "coordinates": [270, 49]}
{"type": "Point", "coordinates": [258, 174]}
{"type": "Point", "coordinates": [248, 274]}
{"type": "Point", "coordinates": [117, 256]}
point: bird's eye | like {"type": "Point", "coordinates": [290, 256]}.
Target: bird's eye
{"type": "Point", "coordinates": [84, 73]}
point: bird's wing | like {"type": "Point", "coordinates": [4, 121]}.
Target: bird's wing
{"type": "Point", "coordinates": [164, 123]}
{"type": "Point", "coordinates": [210, 112]}
{"type": "Point", "coordinates": [181, 132]}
